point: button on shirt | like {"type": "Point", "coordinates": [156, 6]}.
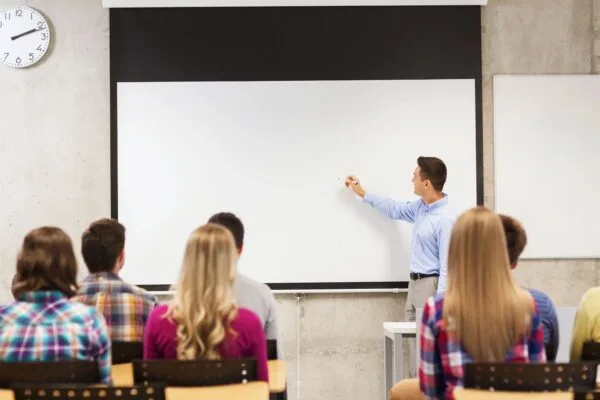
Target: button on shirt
{"type": "Point", "coordinates": [432, 226]}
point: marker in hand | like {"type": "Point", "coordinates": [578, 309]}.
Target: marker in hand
{"type": "Point", "coordinates": [353, 183]}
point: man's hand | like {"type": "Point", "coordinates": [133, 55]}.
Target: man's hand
{"type": "Point", "coordinates": [354, 183]}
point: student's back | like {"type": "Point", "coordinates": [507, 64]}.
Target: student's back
{"type": "Point", "coordinates": [247, 341]}
{"type": "Point", "coordinates": [587, 323]}
{"type": "Point", "coordinates": [516, 240]}
{"type": "Point", "coordinates": [250, 293]}
{"type": "Point", "coordinates": [203, 321]}
{"type": "Point", "coordinates": [483, 316]}
{"type": "Point", "coordinates": [43, 324]}
{"type": "Point", "coordinates": [124, 306]}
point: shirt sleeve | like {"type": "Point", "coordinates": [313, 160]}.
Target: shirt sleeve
{"type": "Point", "coordinates": [581, 333]}
{"type": "Point", "coordinates": [271, 329]}
{"type": "Point", "coordinates": [444, 234]}
{"type": "Point", "coordinates": [551, 325]}
{"type": "Point", "coordinates": [535, 343]}
{"type": "Point", "coordinates": [258, 349]}
{"type": "Point", "coordinates": [151, 350]}
{"type": "Point", "coordinates": [405, 211]}
{"type": "Point", "coordinates": [102, 348]}
{"type": "Point", "coordinates": [431, 379]}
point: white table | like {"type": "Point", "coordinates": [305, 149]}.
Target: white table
{"type": "Point", "coordinates": [394, 333]}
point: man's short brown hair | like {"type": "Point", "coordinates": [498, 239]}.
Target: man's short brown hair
{"type": "Point", "coordinates": [46, 262]}
{"type": "Point", "coordinates": [434, 170]}
{"type": "Point", "coordinates": [101, 245]}
{"type": "Point", "coordinates": [516, 238]}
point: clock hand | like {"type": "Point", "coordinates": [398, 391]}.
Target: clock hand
{"type": "Point", "coordinates": [26, 33]}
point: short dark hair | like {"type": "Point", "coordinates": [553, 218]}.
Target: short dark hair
{"type": "Point", "coordinates": [516, 238]}
{"type": "Point", "coordinates": [434, 170]}
{"type": "Point", "coordinates": [233, 223]}
{"type": "Point", "coordinates": [46, 261]}
{"type": "Point", "coordinates": [101, 245]}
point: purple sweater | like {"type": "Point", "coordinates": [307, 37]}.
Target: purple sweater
{"type": "Point", "coordinates": [160, 339]}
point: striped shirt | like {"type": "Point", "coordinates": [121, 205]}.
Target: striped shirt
{"type": "Point", "coordinates": [443, 357]}
{"type": "Point", "coordinates": [47, 326]}
{"type": "Point", "coordinates": [125, 307]}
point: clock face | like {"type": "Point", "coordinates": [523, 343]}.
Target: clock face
{"type": "Point", "coordinates": [24, 36]}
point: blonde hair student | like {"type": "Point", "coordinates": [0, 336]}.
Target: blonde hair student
{"type": "Point", "coordinates": [483, 316]}
{"type": "Point", "coordinates": [203, 321]}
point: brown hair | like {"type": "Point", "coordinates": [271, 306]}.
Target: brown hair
{"type": "Point", "coordinates": [101, 245]}
{"type": "Point", "coordinates": [46, 262]}
{"type": "Point", "coordinates": [516, 238]}
{"type": "Point", "coordinates": [231, 222]}
{"type": "Point", "coordinates": [434, 170]}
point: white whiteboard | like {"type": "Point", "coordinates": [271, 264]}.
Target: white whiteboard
{"type": "Point", "coordinates": [546, 143]}
{"type": "Point", "coordinates": [276, 153]}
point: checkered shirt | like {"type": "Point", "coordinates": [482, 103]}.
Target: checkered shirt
{"type": "Point", "coordinates": [125, 307]}
{"type": "Point", "coordinates": [442, 358]}
{"type": "Point", "coordinates": [47, 326]}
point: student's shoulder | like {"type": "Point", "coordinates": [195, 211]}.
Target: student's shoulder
{"type": "Point", "coordinates": [253, 286]}
{"type": "Point", "coordinates": [247, 319]}
{"type": "Point", "coordinates": [591, 297]}
{"type": "Point", "coordinates": [541, 298]}
{"type": "Point", "coordinates": [75, 311]}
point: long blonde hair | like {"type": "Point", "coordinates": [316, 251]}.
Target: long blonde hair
{"type": "Point", "coordinates": [483, 306]}
{"type": "Point", "coordinates": [204, 306]}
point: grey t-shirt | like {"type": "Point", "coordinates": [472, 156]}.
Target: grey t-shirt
{"type": "Point", "coordinates": [258, 297]}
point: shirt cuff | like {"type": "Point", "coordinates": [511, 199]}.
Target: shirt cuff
{"type": "Point", "coordinates": [369, 198]}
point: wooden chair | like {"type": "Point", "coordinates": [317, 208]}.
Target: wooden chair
{"type": "Point", "coordinates": [272, 349]}
{"type": "Point", "coordinates": [195, 372]}
{"type": "Point", "coordinates": [522, 377]}
{"type": "Point", "coordinates": [590, 395]}
{"type": "Point", "coordinates": [550, 352]}
{"type": "Point", "coordinates": [75, 372]}
{"type": "Point", "coordinates": [126, 352]}
{"type": "Point", "coordinates": [65, 392]}
{"type": "Point", "coordinates": [590, 351]}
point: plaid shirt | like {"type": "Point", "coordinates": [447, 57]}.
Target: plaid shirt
{"type": "Point", "coordinates": [125, 307]}
{"type": "Point", "coordinates": [442, 358]}
{"type": "Point", "coordinates": [47, 326]}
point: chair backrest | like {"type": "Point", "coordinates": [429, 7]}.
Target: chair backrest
{"type": "Point", "coordinates": [195, 372]}
{"type": "Point", "coordinates": [530, 377]}
{"type": "Point", "coordinates": [550, 351]}
{"type": "Point", "coordinates": [84, 372]}
{"type": "Point", "coordinates": [65, 392]}
{"type": "Point", "coordinates": [587, 395]}
{"type": "Point", "coordinates": [126, 352]}
{"type": "Point", "coordinates": [590, 351]}
{"type": "Point", "coordinates": [272, 349]}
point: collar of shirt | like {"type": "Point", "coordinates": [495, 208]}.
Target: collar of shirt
{"type": "Point", "coordinates": [42, 296]}
{"type": "Point", "coordinates": [102, 276]}
{"type": "Point", "coordinates": [436, 204]}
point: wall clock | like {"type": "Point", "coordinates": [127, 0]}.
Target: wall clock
{"type": "Point", "coordinates": [24, 36]}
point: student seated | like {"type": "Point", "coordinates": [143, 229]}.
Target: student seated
{"type": "Point", "coordinates": [125, 307]}
{"type": "Point", "coordinates": [43, 324]}
{"type": "Point", "coordinates": [203, 321]}
{"type": "Point", "coordinates": [586, 327]}
{"type": "Point", "coordinates": [463, 324]}
{"type": "Point", "coordinates": [250, 293]}
{"type": "Point", "coordinates": [516, 240]}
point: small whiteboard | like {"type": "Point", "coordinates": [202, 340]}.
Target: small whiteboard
{"type": "Point", "coordinates": [546, 161]}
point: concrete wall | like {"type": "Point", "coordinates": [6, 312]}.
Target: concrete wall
{"type": "Point", "coordinates": [54, 168]}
